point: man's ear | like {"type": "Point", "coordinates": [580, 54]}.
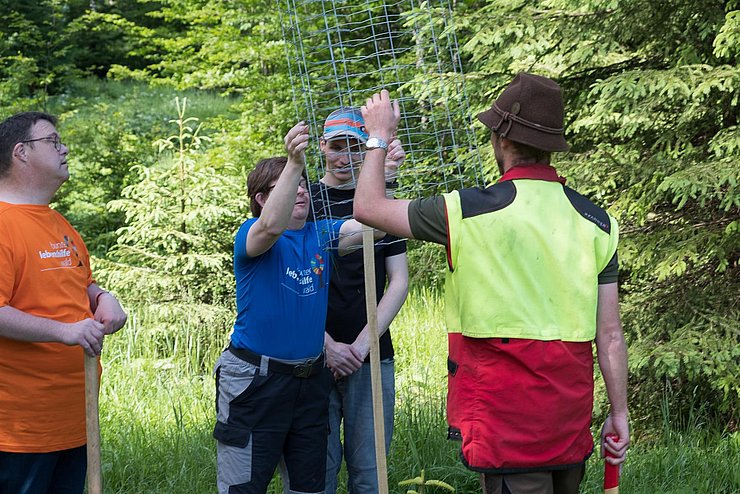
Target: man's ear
{"type": "Point", "coordinates": [19, 151]}
{"type": "Point", "coordinates": [322, 145]}
{"type": "Point", "coordinates": [506, 144]}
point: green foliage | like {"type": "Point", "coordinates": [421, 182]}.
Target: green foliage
{"type": "Point", "coordinates": [100, 157]}
{"type": "Point", "coordinates": [18, 75]}
{"type": "Point", "coordinates": [180, 215]}
{"type": "Point", "coordinates": [157, 416]}
{"type": "Point", "coordinates": [652, 91]}
{"type": "Point", "coordinates": [104, 39]}
{"type": "Point", "coordinates": [685, 349]}
{"type": "Point", "coordinates": [234, 48]}
{"type": "Point", "coordinates": [108, 127]}
{"type": "Point", "coordinates": [36, 31]}
{"type": "Point", "coordinates": [421, 483]}
{"type": "Point", "coordinates": [427, 264]}
{"type": "Point", "coordinates": [45, 45]}
{"type": "Point", "coordinates": [652, 121]}
{"type": "Point", "coordinates": [209, 45]}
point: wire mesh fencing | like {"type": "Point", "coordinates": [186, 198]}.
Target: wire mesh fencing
{"type": "Point", "coordinates": [339, 53]}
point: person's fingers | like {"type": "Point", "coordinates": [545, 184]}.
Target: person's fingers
{"type": "Point", "coordinates": [296, 130]}
{"type": "Point", "coordinates": [92, 345]}
{"type": "Point", "coordinates": [356, 353]}
{"type": "Point", "coordinates": [342, 369]}
{"type": "Point", "coordinates": [297, 139]}
{"type": "Point", "coordinates": [617, 450]}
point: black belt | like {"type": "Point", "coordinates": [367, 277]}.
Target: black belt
{"type": "Point", "coordinates": [306, 369]}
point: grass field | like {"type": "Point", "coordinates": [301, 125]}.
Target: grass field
{"type": "Point", "coordinates": [157, 413]}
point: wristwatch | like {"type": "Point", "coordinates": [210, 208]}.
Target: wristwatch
{"type": "Point", "coordinates": [376, 143]}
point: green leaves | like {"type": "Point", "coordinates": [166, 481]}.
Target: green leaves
{"type": "Point", "coordinates": [180, 216]}
{"type": "Point", "coordinates": [727, 42]}
{"type": "Point", "coordinates": [421, 483]}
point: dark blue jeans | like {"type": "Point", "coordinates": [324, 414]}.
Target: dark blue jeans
{"type": "Point", "coordinates": [351, 404]}
{"type": "Point", "coordinates": [59, 472]}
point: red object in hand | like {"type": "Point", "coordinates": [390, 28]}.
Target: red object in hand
{"type": "Point", "coordinates": [611, 472]}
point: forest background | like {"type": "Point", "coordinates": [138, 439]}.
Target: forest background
{"type": "Point", "coordinates": [167, 105]}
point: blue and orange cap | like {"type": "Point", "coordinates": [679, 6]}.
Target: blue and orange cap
{"type": "Point", "coordinates": [345, 121]}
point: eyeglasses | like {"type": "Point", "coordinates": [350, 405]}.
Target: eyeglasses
{"type": "Point", "coordinates": [302, 184]}
{"type": "Point", "coordinates": [54, 140]}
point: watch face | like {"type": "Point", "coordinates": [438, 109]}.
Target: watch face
{"type": "Point", "coordinates": [374, 143]}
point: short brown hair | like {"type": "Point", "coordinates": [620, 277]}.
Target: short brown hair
{"type": "Point", "coordinates": [16, 129]}
{"type": "Point", "coordinates": [267, 171]}
{"type": "Point", "coordinates": [528, 152]}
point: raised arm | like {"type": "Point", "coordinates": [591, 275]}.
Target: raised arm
{"type": "Point", "coordinates": [611, 349]}
{"type": "Point", "coordinates": [371, 206]}
{"type": "Point", "coordinates": [278, 204]}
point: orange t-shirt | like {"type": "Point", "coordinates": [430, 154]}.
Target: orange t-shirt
{"type": "Point", "coordinates": [45, 272]}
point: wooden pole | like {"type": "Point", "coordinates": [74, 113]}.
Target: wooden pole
{"type": "Point", "coordinates": [92, 425]}
{"type": "Point", "coordinates": [368, 247]}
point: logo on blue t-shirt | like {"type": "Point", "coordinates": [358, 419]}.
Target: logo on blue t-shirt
{"type": "Point", "coordinates": [317, 266]}
{"type": "Point", "coordinates": [304, 279]}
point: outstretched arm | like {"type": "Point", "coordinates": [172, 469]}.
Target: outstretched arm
{"type": "Point", "coordinates": [611, 349]}
{"type": "Point", "coordinates": [350, 236]}
{"type": "Point", "coordinates": [371, 206]}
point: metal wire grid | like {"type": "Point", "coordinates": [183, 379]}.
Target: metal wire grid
{"type": "Point", "coordinates": [341, 52]}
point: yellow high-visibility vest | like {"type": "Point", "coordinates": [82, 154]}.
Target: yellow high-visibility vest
{"type": "Point", "coordinates": [525, 256]}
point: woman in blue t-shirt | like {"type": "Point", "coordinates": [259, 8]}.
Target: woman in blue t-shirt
{"type": "Point", "coordinates": [272, 386]}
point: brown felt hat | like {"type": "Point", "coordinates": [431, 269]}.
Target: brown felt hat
{"type": "Point", "coordinates": [529, 111]}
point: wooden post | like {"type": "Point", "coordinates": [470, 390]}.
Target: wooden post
{"type": "Point", "coordinates": [368, 248]}
{"type": "Point", "coordinates": [92, 426]}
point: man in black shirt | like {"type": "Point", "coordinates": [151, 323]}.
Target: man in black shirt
{"type": "Point", "coordinates": [346, 341]}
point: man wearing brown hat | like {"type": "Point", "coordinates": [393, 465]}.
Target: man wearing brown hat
{"type": "Point", "coordinates": [532, 281]}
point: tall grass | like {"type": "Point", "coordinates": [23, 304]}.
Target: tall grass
{"type": "Point", "coordinates": [157, 414]}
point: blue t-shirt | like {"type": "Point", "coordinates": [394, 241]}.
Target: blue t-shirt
{"type": "Point", "coordinates": [281, 295]}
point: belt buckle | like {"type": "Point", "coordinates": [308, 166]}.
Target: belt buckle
{"type": "Point", "coordinates": [303, 370]}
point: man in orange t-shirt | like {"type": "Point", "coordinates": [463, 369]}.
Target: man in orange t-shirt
{"type": "Point", "coordinates": [51, 313]}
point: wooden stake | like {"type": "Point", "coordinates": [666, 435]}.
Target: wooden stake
{"type": "Point", "coordinates": [92, 425]}
{"type": "Point", "coordinates": [368, 246]}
